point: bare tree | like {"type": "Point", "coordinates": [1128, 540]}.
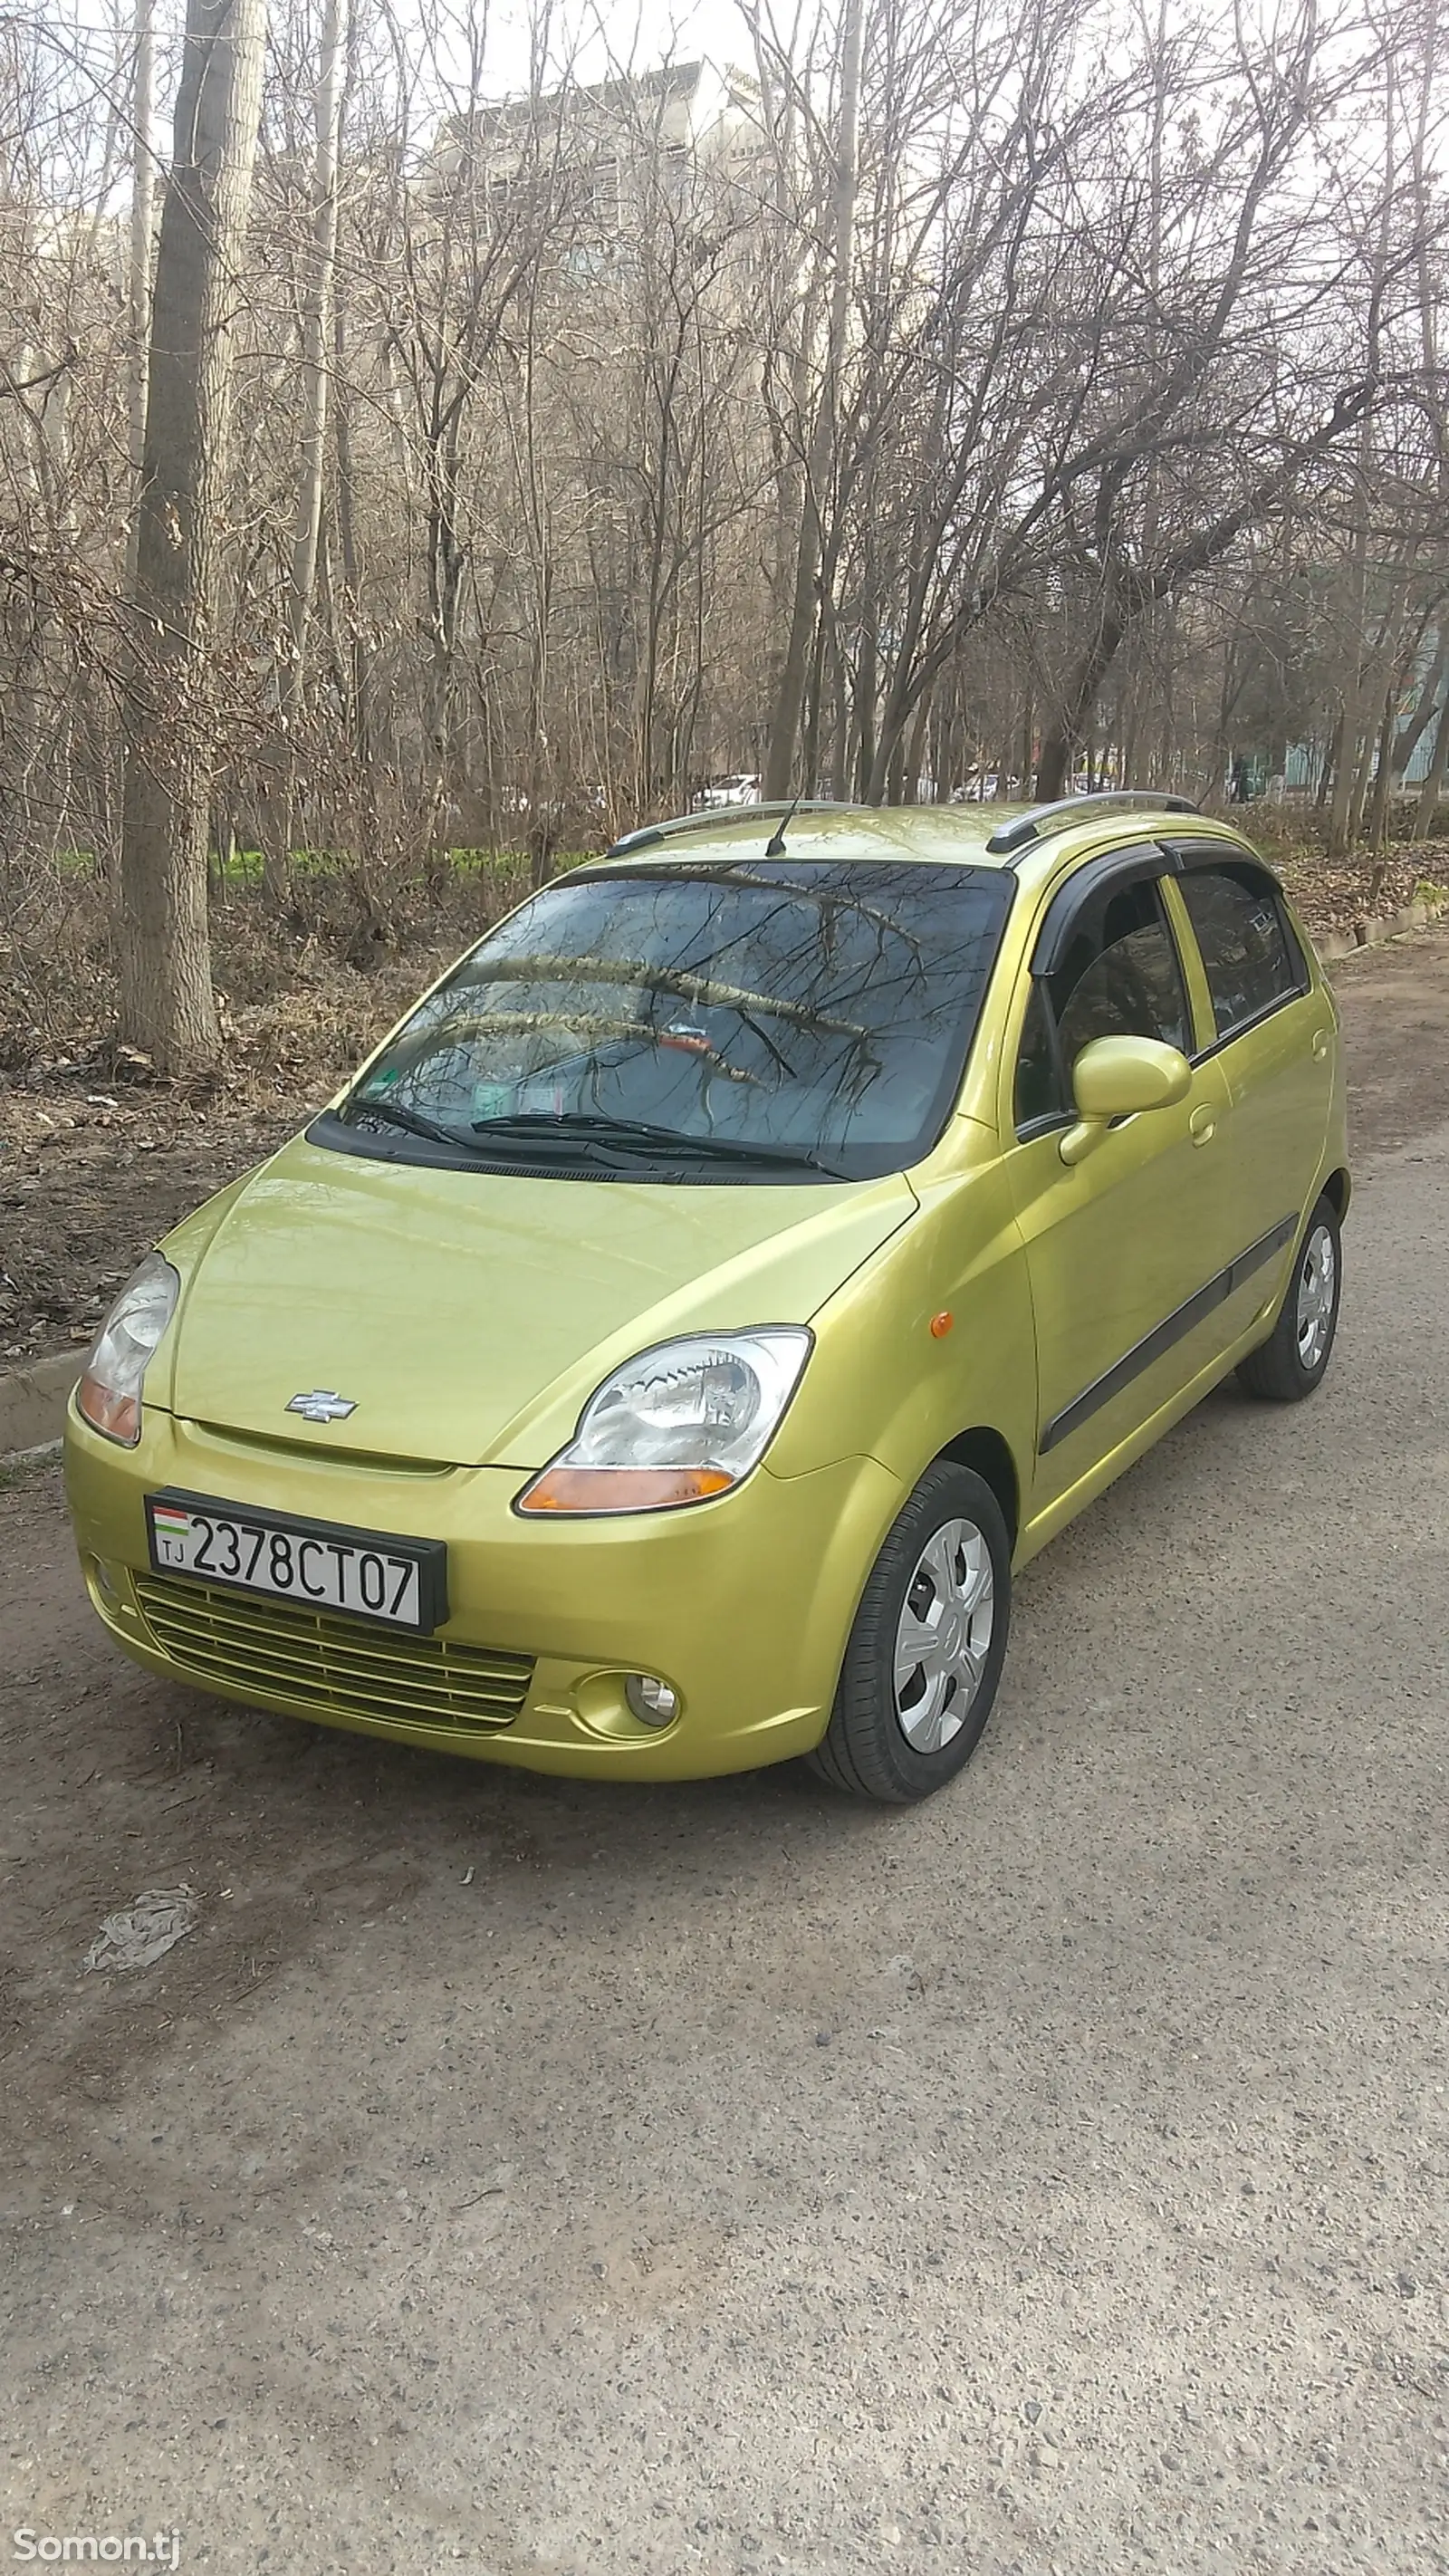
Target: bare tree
{"type": "Point", "coordinates": [820, 449]}
{"type": "Point", "coordinates": [143, 216]}
{"type": "Point", "coordinates": [316, 348]}
{"type": "Point", "coordinates": [962, 391]}
{"type": "Point", "coordinates": [167, 1005]}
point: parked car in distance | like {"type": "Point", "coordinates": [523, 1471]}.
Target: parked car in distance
{"type": "Point", "coordinates": [658, 1359]}
{"type": "Point", "coordinates": [985, 787]}
{"type": "Point", "coordinates": [743, 790]}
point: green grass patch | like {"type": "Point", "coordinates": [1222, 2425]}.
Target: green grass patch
{"type": "Point", "coordinates": [248, 867]}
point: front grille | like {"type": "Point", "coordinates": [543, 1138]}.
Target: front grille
{"type": "Point", "coordinates": [338, 1666]}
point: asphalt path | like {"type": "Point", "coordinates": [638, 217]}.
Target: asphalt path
{"type": "Point", "coordinates": [555, 2180]}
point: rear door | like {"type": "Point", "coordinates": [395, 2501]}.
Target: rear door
{"type": "Point", "coordinates": [1122, 1249]}
{"type": "Point", "coordinates": [1274, 1036]}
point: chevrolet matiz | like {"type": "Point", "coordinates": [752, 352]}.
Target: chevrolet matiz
{"type": "Point", "coordinates": [656, 1361]}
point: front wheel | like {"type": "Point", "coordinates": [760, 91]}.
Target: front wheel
{"type": "Point", "coordinates": [925, 1654]}
{"type": "Point", "coordinates": [1290, 1364]}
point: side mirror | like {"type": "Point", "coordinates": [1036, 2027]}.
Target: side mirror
{"type": "Point", "coordinates": [1120, 1078]}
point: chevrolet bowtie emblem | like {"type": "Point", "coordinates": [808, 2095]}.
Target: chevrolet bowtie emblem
{"type": "Point", "coordinates": [322, 1406]}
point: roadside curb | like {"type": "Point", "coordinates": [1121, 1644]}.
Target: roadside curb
{"type": "Point", "coordinates": [1377, 933]}
{"type": "Point", "coordinates": [32, 1405]}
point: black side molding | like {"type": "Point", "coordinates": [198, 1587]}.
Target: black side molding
{"type": "Point", "coordinates": [1173, 1328]}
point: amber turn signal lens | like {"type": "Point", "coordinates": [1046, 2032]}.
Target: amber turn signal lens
{"type": "Point", "coordinates": [621, 1489]}
{"type": "Point", "coordinates": [118, 1416]}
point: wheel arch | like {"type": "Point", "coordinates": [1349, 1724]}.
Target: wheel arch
{"type": "Point", "coordinates": [989, 1456]}
{"type": "Point", "coordinates": [1338, 1189]}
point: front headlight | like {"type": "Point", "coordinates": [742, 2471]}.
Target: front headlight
{"type": "Point", "coordinates": [109, 1393]}
{"type": "Point", "coordinates": [683, 1421]}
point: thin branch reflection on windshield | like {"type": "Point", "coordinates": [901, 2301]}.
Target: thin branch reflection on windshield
{"type": "Point", "coordinates": [817, 1011]}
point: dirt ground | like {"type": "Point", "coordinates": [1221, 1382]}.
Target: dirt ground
{"type": "Point", "coordinates": [560, 2181]}
{"type": "Point", "coordinates": [97, 1159]}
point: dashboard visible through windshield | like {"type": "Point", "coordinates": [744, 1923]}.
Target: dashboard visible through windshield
{"type": "Point", "coordinates": [720, 1019]}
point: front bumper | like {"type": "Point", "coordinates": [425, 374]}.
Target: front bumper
{"type": "Point", "coordinates": [744, 1605]}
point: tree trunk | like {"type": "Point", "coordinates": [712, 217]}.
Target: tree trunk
{"type": "Point", "coordinates": [916, 753]}
{"type": "Point", "coordinates": [837, 778]}
{"type": "Point", "coordinates": [143, 212]}
{"type": "Point", "coordinates": [813, 712]}
{"type": "Point", "coordinates": [1416, 724]}
{"type": "Point", "coordinates": [1346, 773]}
{"type": "Point", "coordinates": [1378, 802]}
{"type": "Point", "coordinates": [1344, 806]}
{"type": "Point", "coordinates": [167, 1005]}
{"type": "Point", "coordinates": [1333, 755]}
{"type": "Point", "coordinates": [1433, 787]}
{"type": "Point", "coordinates": [360, 654]}
{"type": "Point", "coordinates": [866, 678]}
{"type": "Point", "coordinates": [1063, 736]}
{"type": "Point", "coordinates": [780, 760]}
{"type": "Point", "coordinates": [1364, 768]}
{"type": "Point", "coordinates": [316, 319]}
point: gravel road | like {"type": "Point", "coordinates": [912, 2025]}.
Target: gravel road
{"type": "Point", "coordinates": [551, 2180]}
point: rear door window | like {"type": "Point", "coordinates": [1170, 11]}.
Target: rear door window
{"type": "Point", "coordinates": [1253, 962]}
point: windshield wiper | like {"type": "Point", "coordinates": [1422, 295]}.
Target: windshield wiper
{"type": "Point", "coordinates": [636, 1135]}
{"type": "Point", "coordinates": [393, 1114]}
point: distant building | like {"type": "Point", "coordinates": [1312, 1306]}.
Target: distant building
{"type": "Point", "coordinates": [679, 121]}
{"type": "Point", "coordinates": [1307, 761]}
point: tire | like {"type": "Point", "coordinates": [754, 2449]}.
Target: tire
{"type": "Point", "coordinates": [1290, 1364]}
{"type": "Point", "coordinates": [945, 1698]}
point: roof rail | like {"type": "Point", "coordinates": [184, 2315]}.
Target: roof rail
{"type": "Point", "coordinates": [1031, 826]}
{"type": "Point", "coordinates": [710, 815]}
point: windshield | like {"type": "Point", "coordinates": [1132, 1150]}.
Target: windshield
{"type": "Point", "coordinates": [711, 1020]}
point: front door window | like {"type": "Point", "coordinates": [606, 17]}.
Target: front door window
{"type": "Point", "coordinates": [1119, 977]}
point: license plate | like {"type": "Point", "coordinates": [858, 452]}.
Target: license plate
{"type": "Point", "coordinates": [318, 1564]}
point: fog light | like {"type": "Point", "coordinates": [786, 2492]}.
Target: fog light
{"type": "Point", "coordinates": [103, 1582]}
{"type": "Point", "coordinates": [651, 1699]}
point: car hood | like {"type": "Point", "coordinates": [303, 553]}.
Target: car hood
{"type": "Point", "coordinates": [468, 1316]}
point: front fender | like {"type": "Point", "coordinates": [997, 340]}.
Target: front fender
{"type": "Point", "coordinates": [880, 1382]}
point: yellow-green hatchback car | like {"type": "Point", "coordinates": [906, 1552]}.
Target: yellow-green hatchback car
{"type": "Point", "coordinates": [657, 1359]}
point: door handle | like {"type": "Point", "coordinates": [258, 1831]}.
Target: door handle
{"type": "Point", "coordinates": [1321, 1042]}
{"type": "Point", "coordinates": [1202, 1125]}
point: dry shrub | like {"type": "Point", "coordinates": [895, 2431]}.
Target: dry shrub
{"type": "Point", "coordinates": [312, 978]}
{"type": "Point", "coordinates": [56, 969]}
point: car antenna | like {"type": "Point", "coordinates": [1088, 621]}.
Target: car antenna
{"type": "Point", "coordinates": [775, 846]}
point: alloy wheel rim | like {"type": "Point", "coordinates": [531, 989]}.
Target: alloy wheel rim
{"type": "Point", "coordinates": [1316, 1282]}
{"type": "Point", "coordinates": [943, 1636]}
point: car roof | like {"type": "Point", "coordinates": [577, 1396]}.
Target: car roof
{"type": "Point", "coordinates": [950, 835]}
